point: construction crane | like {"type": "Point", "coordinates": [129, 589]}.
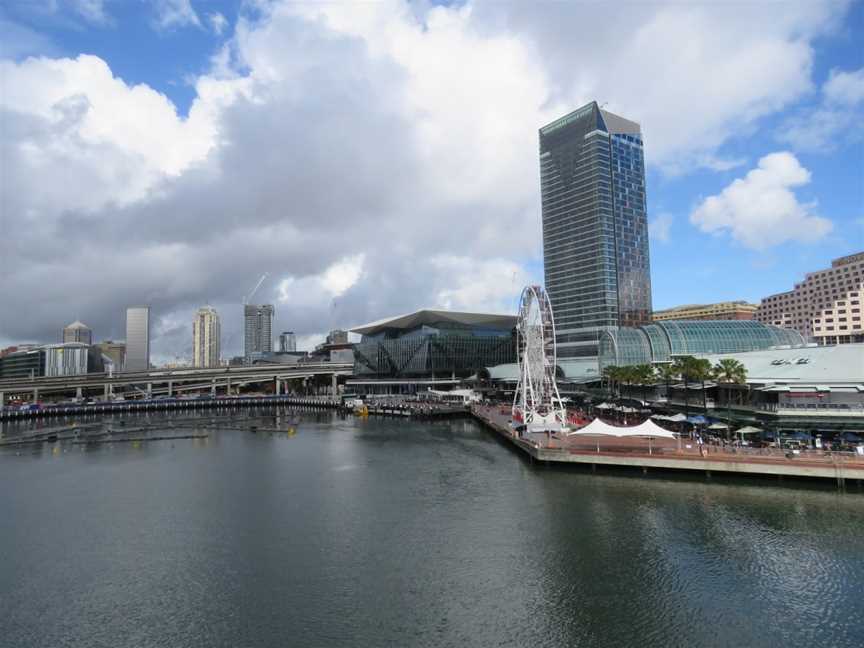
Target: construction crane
{"type": "Point", "coordinates": [255, 289]}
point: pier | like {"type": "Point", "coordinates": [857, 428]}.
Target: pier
{"type": "Point", "coordinates": [681, 455]}
{"type": "Point", "coordinates": [166, 404]}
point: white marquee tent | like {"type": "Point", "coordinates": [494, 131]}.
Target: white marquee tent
{"type": "Point", "coordinates": [646, 429]}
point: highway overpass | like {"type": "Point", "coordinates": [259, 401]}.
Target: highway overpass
{"type": "Point", "coordinates": [170, 382]}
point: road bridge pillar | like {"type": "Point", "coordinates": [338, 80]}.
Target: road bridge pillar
{"type": "Point", "coordinates": [35, 394]}
{"type": "Point", "coordinates": [170, 388]}
{"type": "Point", "coordinates": [213, 387]}
{"type": "Point", "coordinates": [149, 391]}
{"type": "Point", "coordinates": [278, 386]}
{"type": "Point", "coordinates": [107, 391]}
{"type": "Point", "coordinates": [333, 387]}
{"type": "Point", "coordinates": [228, 386]}
{"type": "Point", "coordinates": [2, 399]}
{"type": "Point", "coordinates": [79, 393]}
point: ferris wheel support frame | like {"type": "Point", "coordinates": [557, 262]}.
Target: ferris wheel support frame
{"type": "Point", "coordinates": [536, 402]}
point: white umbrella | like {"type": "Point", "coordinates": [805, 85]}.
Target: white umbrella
{"type": "Point", "coordinates": [748, 429]}
{"type": "Point", "coordinates": [718, 426]}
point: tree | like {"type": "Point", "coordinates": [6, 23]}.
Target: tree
{"type": "Point", "coordinates": [644, 375]}
{"type": "Point", "coordinates": [681, 367]}
{"type": "Point", "coordinates": [667, 372]}
{"type": "Point", "coordinates": [730, 372]}
{"type": "Point", "coordinates": [615, 376]}
{"type": "Point", "coordinates": [700, 370]}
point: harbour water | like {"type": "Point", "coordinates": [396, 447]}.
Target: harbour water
{"type": "Point", "coordinates": [387, 532]}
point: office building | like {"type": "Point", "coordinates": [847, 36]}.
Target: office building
{"type": "Point", "coordinates": [429, 348]}
{"type": "Point", "coordinates": [206, 338]}
{"type": "Point", "coordinates": [115, 351]}
{"type": "Point", "coordinates": [825, 307]}
{"type": "Point", "coordinates": [78, 332]}
{"type": "Point", "coordinates": [137, 338]}
{"type": "Point", "coordinates": [595, 227]}
{"type": "Point", "coordinates": [287, 342]}
{"type": "Point", "coordinates": [70, 359]}
{"type": "Point", "coordinates": [337, 336]}
{"type": "Point", "coordinates": [257, 330]}
{"type": "Point", "coordinates": [29, 363]}
{"type": "Point", "coordinates": [735, 310]}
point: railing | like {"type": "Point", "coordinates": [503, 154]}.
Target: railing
{"type": "Point", "coordinates": [809, 407]}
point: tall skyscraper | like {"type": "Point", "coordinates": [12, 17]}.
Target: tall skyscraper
{"type": "Point", "coordinates": [258, 330]}
{"type": "Point", "coordinates": [287, 342]}
{"type": "Point", "coordinates": [595, 226]}
{"type": "Point", "coordinates": [78, 332]}
{"type": "Point", "coordinates": [206, 338]}
{"type": "Point", "coordinates": [137, 338]}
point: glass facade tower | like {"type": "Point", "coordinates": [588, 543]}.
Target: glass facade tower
{"type": "Point", "coordinates": [138, 338]}
{"type": "Point", "coordinates": [257, 330]}
{"type": "Point", "coordinates": [595, 227]}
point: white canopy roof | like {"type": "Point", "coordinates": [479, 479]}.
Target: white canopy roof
{"type": "Point", "coordinates": [646, 429]}
{"type": "Point", "coordinates": [675, 418]}
{"type": "Point", "coordinates": [748, 429]}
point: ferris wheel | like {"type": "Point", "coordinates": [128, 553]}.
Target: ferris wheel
{"type": "Point", "coordinates": [537, 402]}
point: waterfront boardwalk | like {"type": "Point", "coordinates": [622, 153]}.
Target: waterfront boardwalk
{"type": "Point", "coordinates": [678, 454]}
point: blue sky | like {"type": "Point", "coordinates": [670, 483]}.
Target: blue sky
{"type": "Point", "coordinates": [438, 109]}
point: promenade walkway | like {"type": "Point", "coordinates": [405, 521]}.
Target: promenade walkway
{"type": "Point", "coordinates": [677, 454]}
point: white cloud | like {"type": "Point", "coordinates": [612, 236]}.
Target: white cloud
{"type": "Point", "coordinates": [218, 22]}
{"type": "Point", "coordinates": [324, 287]}
{"type": "Point", "coordinates": [490, 285]}
{"type": "Point", "coordinates": [837, 121]}
{"type": "Point", "coordinates": [761, 210]}
{"type": "Point", "coordinates": [845, 88]}
{"type": "Point", "coordinates": [92, 10]}
{"type": "Point", "coordinates": [659, 227]}
{"type": "Point", "coordinates": [175, 13]}
{"type": "Point", "coordinates": [375, 158]}
{"type": "Point", "coordinates": [101, 140]}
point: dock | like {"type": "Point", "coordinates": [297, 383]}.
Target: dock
{"type": "Point", "coordinates": [679, 456]}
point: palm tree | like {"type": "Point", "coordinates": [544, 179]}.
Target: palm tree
{"type": "Point", "coordinates": [628, 377]}
{"type": "Point", "coordinates": [612, 375]}
{"type": "Point", "coordinates": [681, 367]}
{"type": "Point", "coordinates": [644, 376]}
{"type": "Point", "coordinates": [700, 371]}
{"type": "Point", "coordinates": [730, 372]}
{"type": "Point", "coordinates": [666, 372]}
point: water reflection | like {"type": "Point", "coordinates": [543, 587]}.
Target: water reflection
{"type": "Point", "coordinates": [369, 532]}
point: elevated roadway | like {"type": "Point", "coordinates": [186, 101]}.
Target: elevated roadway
{"type": "Point", "coordinates": [171, 381]}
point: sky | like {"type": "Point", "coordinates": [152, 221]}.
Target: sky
{"type": "Point", "coordinates": [376, 158]}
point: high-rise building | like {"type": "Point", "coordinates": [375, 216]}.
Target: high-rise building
{"type": "Point", "coordinates": [736, 310]}
{"type": "Point", "coordinates": [78, 332]}
{"type": "Point", "coordinates": [206, 338]}
{"type": "Point", "coordinates": [115, 351]}
{"type": "Point", "coordinates": [67, 359]}
{"type": "Point", "coordinates": [137, 338]}
{"type": "Point", "coordinates": [595, 226]}
{"type": "Point", "coordinates": [826, 306]}
{"type": "Point", "coordinates": [337, 336]}
{"type": "Point", "coordinates": [258, 330]}
{"type": "Point", "coordinates": [287, 342]}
